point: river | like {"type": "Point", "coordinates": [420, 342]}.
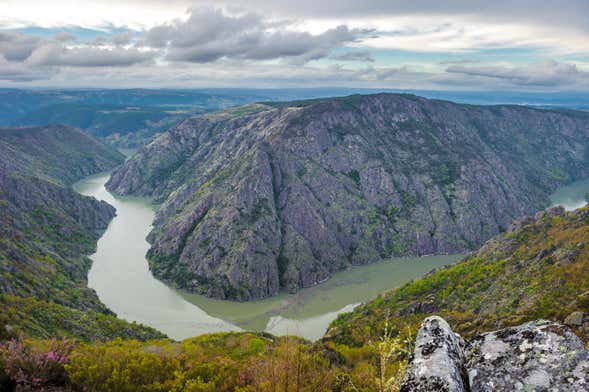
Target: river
{"type": "Point", "coordinates": [571, 196]}
{"type": "Point", "coordinates": [121, 277]}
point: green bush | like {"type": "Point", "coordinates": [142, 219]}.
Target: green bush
{"type": "Point", "coordinates": [122, 366]}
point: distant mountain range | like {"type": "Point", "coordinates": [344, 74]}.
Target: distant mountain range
{"type": "Point", "coordinates": [130, 117]}
{"type": "Point", "coordinates": [280, 195]}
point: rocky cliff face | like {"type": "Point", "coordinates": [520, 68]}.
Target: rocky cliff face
{"type": "Point", "coordinates": [536, 356]}
{"type": "Point", "coordinates": [282, 195]}
{"type": "Point", "coordinates": [46, 230]}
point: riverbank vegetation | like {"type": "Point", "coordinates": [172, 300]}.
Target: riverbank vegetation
{"type": "Point", "coordinates": [538, 269]}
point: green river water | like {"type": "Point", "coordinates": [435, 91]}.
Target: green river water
{"type": "Point", "coordinates": [121, 277]}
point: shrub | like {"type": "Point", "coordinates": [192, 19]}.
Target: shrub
{"type": "Point", "coordinates": [122, 366]}
{"type": "Point", "coordinates": [393, 354]}
{"type": "Point", "coordinates": [291, 366]}
{"type": "Point", "coordinates": [31, 367]}
{"type": "Point", "coordinates": [6, 384]}
{"type": "Point", "coordinates": [355, 176]}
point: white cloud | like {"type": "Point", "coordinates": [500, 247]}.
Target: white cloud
{"type": "Point", "coordinates": [417, 44]}
{"type": "Point", "coordinates": [547, 74]}
{"type": "Point", "coordinates": [210, 34]}
{"type": "Point", "coordinates": [464, 35]}
{"type": "Point", "coordinates": [17, 46]}
{"type": "Point", "coordinates": [55, 54]}
{"type": "Point", "coordinates": [21, 50]}
{"type": "Point", "coordinates": [19, 72]}
{"type": "Point", "coordinates": [123, 38]}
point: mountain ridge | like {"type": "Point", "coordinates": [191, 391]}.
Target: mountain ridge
{"type": "Point", "coordinates": [55, 153]}
{"type": "Point", "coordinates": [280, 196]}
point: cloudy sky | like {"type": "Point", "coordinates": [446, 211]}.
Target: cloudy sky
{"type": "Point", "coordinates": [523, 45]}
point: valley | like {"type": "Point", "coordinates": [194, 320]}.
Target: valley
{"type": "Point", "coordinates": [46, 232]}
{"type": "Point", "coordinates": [76, 260]}
{"type": "Point", "coordinates": [278, 196]}
{"type": "Point", "coordinates": [121, 277]}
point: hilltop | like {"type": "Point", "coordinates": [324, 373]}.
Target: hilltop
{"type": "Point", "coordinates": [279, 196]}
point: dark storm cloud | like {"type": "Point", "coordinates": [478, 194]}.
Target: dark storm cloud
{"type": "Point", "coordinates": [210, 34]}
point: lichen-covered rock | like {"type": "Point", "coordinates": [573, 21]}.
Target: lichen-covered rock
{"type": "Point", "coordinates": [550, 212]}
{"type": "Point", "coordinates": [539, 356]}
{"type": "Point", "coordinates": [438, 361]}
{"type": "Point", "coordinates": [536, 356]}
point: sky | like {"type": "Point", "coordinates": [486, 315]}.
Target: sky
{"type": "Point", "coordinates": [517, 45]}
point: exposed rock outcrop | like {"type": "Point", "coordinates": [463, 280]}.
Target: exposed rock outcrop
{"type": "Point", "coordinates": [536, 356]}
{"type": "Point", "coordinates": [282, 195]}
{"type": "Point", "coordinates": [575, 319]}
{"type": "Point", "coordinates": [438, 360]}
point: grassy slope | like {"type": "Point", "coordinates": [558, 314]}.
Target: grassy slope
{"type": "Point", "coordinates": [538, 271]}
{"type": "Point", "coordinates": [45, 320]}
{"type": "Point", "coordinates": [55, 153]}
{"type": "Point", "coordinates": [46, 231]}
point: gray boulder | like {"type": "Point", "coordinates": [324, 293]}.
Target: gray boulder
{"type": "Point", "coordinates": [438, 360]}
{"type": "Point", "coordinates": [536, 356]}
{"type": "Point", "coordinates": [540, 356]}
{"type": "Point", "coordinates": [575, 319]}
